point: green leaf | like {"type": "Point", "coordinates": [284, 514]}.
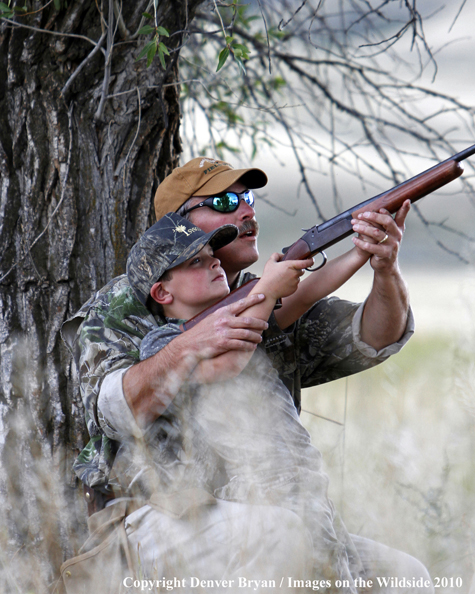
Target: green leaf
{"type": "Point", "coordinates": [19, 8]}
{"type": "Point", "coordinates": [223, 56]}
{"type": "Point", "coordinates": [224, 108]}
{"type": "Point", "coordinates": [57, 4]}
{"type": "Point", "coordinates": [5, 10]}
{"type": "Point", "coordinates": [146, 49]}
{"type": "Point", "coordinates": [241, 51]}
{"type": "Point", "coordinates": [224, 145]}
{"type": "Point", "coordinates": [147, 15]}
{"type": "Point", "coordinates": [274, 32]}
{"type": "Point", "coordinates": [163, 48]}
{"type": "Point", "coordinates": [240, 64]}
{"type": "Point", "coordinates": [163, 31]}
{"type": "Point", "coordinates": [229, 40]}
{"type": "Point", "coordinates": [277, 83]}
{"type": "Point", "coordinates": [162, 59]}
{"type": "Point", "coordinates": [146, 30]}
{"type": "Point", "coordinates": [151, 53]}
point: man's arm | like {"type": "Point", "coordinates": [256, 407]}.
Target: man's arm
{"type": "Point", "coordinates": [149, 386]}
{"type": "Point", "coordinates": [386, 309]}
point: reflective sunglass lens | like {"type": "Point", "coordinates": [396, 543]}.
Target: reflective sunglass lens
{"type": "Point", "coordinates": [227, 202]}
{"type": "Point", "coordinates": [248, 197]}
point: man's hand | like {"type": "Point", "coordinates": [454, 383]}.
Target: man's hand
{"type": "Point", "coordinates": [380, 235]}
{"type": "Point", "coordinates": [224, 331]}
{"type": "Point", "coordinates": [385, 313]}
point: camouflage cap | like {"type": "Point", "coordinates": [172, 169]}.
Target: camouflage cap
{"type": "Point", "coordinates": [202, 177]}
{"type": "Point", "coordinates": [168, 243]}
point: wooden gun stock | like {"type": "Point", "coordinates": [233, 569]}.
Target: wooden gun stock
{"type": "Point", "coordinates": [320, 237]}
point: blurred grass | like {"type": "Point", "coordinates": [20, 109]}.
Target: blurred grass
{"type": "Point", "coordinates": [402, 469]}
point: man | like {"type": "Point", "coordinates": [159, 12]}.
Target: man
{"type": "Point", "coordinates": [333, 339]}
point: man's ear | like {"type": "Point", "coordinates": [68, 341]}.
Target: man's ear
{"type": "Point", "coordinates": [159, 294]}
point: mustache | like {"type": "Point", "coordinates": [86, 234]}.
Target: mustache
{"type": "Point", "coordinates": [249, 225]}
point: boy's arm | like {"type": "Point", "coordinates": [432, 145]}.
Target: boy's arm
{"type": "Point", "coordinates": [279, 279]}
{"type": "Point", "coordinates": [318, 285]}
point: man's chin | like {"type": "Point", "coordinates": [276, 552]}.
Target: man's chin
{"type": "Point", "coordinates": [242, 263]}
{"type": "Point", "coordinates": [238, 259]}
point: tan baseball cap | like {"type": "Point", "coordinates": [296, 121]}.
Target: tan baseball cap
{"type": "Point", "coordinates": [202, 177]}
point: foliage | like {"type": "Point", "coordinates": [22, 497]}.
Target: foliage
{"type": "Point", "coordinates": [8, 11]}
{"type": "Point", "coordinates": [337, 87]}
{"type": "Point", "coordinates": [154, 46]}
{"type": "Point", "coordinates": [339, 91]}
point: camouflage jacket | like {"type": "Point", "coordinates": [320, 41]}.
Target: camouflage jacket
{"type": "Point", "coordinates": [106, 333]}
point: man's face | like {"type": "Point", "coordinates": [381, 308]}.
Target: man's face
{"type": "Point", "coordinates": [196, 284]}
{"type": "Point", "coordinates": [242, 252]}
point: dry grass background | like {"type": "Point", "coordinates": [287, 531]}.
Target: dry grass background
{"type": "Point", "coordinates": [402, 469]}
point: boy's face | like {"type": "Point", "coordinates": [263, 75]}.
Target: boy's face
{"type": "Point", "coordinates": [195, 285]}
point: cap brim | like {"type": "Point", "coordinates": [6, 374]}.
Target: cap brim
{"type": "Point", "coordinates": [251, 178]}
{"type": "Point", "coordinates": [217, 239]}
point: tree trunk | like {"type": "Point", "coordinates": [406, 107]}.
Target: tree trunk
{"type": "Point", "coordinates": [78, 169]}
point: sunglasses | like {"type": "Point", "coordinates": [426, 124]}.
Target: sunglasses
{"type": "Point", "coordinates": [225, 202]}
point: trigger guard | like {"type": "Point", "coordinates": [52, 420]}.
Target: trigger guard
{"type": "Point", "coordinates": [324, 261]}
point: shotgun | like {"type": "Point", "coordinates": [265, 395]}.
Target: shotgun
{"type": "Point", "coordinates": [320, 237]}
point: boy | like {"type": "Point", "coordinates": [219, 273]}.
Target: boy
{"type": "Point", "coordinates": [241, 439]}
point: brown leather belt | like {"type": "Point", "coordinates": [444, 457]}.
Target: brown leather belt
{"type": "Point", "coordinates": [96, 500]}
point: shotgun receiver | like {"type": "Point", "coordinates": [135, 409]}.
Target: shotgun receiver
{"type": "Point", "coordinates": [321, 237]}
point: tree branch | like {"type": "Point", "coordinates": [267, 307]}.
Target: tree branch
{"type": "Point", "coordinates": [107, 68]}
{"type": "Point", "coordinates": [71, 79]}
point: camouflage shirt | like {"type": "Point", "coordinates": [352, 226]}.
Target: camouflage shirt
{"type": "Point", "coordinates": [106, 333]}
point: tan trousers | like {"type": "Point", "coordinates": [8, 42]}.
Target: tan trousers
{"type": "Point", "coordinates": [231, 548]}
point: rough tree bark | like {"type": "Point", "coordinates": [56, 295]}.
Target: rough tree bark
{"type": "Point", "coordinates": [78, 168]}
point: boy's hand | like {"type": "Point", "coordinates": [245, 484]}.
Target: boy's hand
{"type": "Point", "coordinates": [281, 278]}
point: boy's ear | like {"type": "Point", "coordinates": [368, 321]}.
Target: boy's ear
{"type": "Point", "coordinates": [159, 294]}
